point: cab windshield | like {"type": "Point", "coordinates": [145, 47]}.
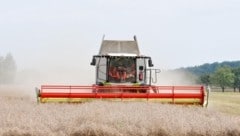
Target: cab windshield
{"type": "Point", "coordinates": [122, 69]}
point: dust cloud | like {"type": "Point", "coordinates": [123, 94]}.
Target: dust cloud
{"type": "Point", "coordinates": [60, 64]}
{"type": "Point", "coordinates": [176, 77]}
{"type": "Point", "coordinates": [27, 80]}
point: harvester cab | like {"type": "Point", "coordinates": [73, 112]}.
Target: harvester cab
{"type": "Point", "coordinates": [119, 63]}
{"type": "Point", "coordinates": [122, 74]}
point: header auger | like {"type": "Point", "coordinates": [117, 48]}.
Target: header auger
{"type": "Point", "coordinates": [122, 74]}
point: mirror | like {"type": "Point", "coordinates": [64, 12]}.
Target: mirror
{"type": "Point", "coordinates": [150, 64]}
{"type": "Point", "coordinates": [93, 63]}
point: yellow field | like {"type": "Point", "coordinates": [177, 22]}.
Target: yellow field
{"type": "Point", "coordinates": [21, 115]}
{"type": "Point", "coordinates": [227, 102]}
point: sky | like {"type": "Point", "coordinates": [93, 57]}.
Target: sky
{"type": "Point", "coordinates": [54, 34]}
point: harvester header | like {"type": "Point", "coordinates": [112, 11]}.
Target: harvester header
{"type": "Point", "coordinates": [122, 74]}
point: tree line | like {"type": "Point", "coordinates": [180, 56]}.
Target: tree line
{"type": "Point", "coordinates": [8, 69]}
{"type": "Point", "coordinates": [223, 75]}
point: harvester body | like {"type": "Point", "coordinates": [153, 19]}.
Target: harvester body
{"type": "Point", "coordinates": [119, 63]}
{"type": "Point", "coordinates": [122, 74]}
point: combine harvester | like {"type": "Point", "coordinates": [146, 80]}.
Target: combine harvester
{"type": "Point", "coordinates": [122, 74]}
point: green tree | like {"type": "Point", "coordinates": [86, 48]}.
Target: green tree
{"type": "Point", "coordinates": [7, 69]}
{"type": "Point", "coordinates": [222, 77]}
{"type": "Point", "coordinates": [236, 83]}
{"type": "Point", "coordinates": [205, 79]}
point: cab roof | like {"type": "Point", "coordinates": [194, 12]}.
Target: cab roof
{"type": "Point", "coordinates": [118, 47]}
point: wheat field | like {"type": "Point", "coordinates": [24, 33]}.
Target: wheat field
{"type": "Point", "coordinates": [21, 116]}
